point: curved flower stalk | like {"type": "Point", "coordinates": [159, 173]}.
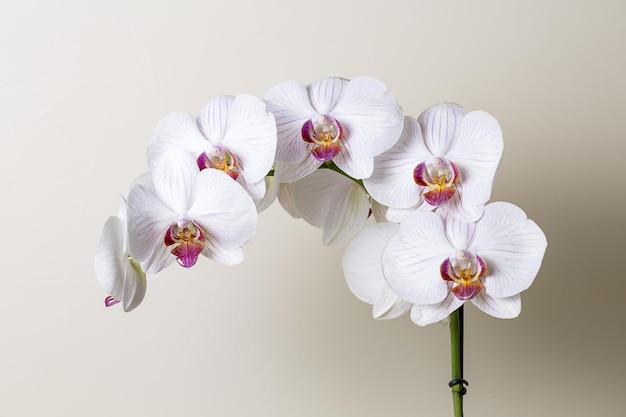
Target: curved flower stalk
{"type": "Point", "coordinates": [438, 264]}
{"type": "Point", "coordinates": [235, 135]}
{"type": "Point", "coordinates": [333, 119]}
{"type": "Point", "coordinates": [446, 159]}
{"type": "Point", "coordinates": [184, 212]}
{"type": "Point", "coordinates": [363, 271]}
{"type": "Point", "coordinates": [116, 271]}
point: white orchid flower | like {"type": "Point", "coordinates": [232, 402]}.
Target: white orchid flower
{"type": "Point", "coordinates": [235, 135]}
{"type": "Point", "coordinates": [363, 271]}
{"type": "Point", "coordinates": [446, 159]}
{"type": "Point", "coordinates": [117, 273]}
{"type": "Point", "coordinates": [184, 212]}
{"type": "Point", "coordinates": [348, 122]}
{"type": "Point", "coordinates": [438, 264]}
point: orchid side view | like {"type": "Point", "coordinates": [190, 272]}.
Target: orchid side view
{"type": "Point", "coordinates": [408, 195]}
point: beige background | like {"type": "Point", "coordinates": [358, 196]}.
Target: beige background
{"type": "Point", "coordinates": [82, 85]}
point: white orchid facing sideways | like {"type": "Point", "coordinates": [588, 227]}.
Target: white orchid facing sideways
{"type": "Point", "coordinates": [347, 122]}
{"type": "Point", "coordinates": [446, 159]}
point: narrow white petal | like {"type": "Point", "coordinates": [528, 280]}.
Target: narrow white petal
{"type": "Point", "coordinates": [217, 253]}
{"type": "Point", "coordinates": [174, 178]}
{"type": "Point", "coordinates": [160, 258]}
{"type": "Point", "coordinates": [412, 259]}
{"type": "Point", "coordinates": [370, 115]}
{"type": "Point", "coordinates": [255, 190]}
{"type": "Point", "coordinates": [512, 246]}
{"type": "Point", "coordinates": [477, 153]}
{"type": "Point", "coordinates": [326, 93]}
{"type": "Point", "coordinates": [285, 198]}
{"type": "Point", "coordinates": [289, 102]}
{"type": "Point", "coordinates": [272, 186]}
{"type": "Point", "coordinates": [176, 131]}
{"type": "Point", "coordinates": [134, 288]}
{"type": "Point", "coordinates": [426, 314]}
{"type": "Point", "coordinates": [502, 308]}
{"type": "Point", "coordinates": [459, 233]}
{"type": "Point", "coordinates": [223, 209]}
{"type": "Point", "coordinates": [441, 124]}
{"type": "Point", "coordinates": [109, 259]}
{"type": "Point", "coordinates": [251, 136]}
{"type": "Point", "coordinates": [356, 168]}
{"type": "Point", "coordinates": [455, 207]}
{"type": "Point", "coordinates": [398, 215]}
{"type": "Point", "coordinates": [296, 171]}
{"type": "Point", "coordinates": [392, 182]}
{"type": "Point", "coordinates": [332, 202]}
{"type": "Point", "coordinates": [213, 118]}
{"type": "Point", "coordinates": [378, 211]}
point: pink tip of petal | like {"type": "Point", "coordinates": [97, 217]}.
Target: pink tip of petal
{"type": "Point", "coordinates": [467, 291]}
{"type": "Point", "coordinates": [110, 301]}
{"type": "Point", "coordinates": [439, 196]}
{"type": "Point", "coordinates": [325, 153]}
{"type": "Point", "coordinates": [187, 253]}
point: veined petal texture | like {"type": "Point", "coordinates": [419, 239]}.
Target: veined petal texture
{"type": "Point", "coordinates": [109, 259]}
{"type": "Point", "coordinates": [440, 126]}
{"type": "Point", "coordinates": [176, 131]}
{"type": "Point", "coordinates": [426, 314]}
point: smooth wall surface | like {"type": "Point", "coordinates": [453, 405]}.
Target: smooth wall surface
{"type": "Point", "coordinates": [82, 85]}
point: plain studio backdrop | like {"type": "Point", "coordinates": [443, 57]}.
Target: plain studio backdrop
{"type": "Point", "coordinates": [82, 86]}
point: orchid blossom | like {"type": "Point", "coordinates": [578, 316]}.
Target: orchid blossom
{"type": "Point", "coordinates": [439, 263]}
{"type": "Point", "coordinates": [184, 212]}
{"type": "Point", "coordinates": [235, 135]}
{"type": "Point", "coordinates": [116, 271]}
{"type": "Point", "coordinates": [446, 159]}
{"type": "Point", "coordinates": [333, 119]}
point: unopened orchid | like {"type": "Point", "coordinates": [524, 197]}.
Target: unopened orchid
{"type": "Point", "coordinates": [446, 159]}
{"type": "Point", "coordinates": [235, 135]}
{"type": "Point", "coordinates": [184, 212]}
{"type": "Point", "coordinates": [438, 263]}
{"type": "Point", "coordinates": [333, 119]}
{"type": "Point", "coordinates": [116, 271]}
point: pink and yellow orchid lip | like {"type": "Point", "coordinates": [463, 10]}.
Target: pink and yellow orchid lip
{"type": "Point", "coordinates": [189, 237]}
{"type": "Point", "coordinates": [324, 133]}
{"type": "Point", "coordinates": [465, 271]}
{"type": "Point", "coordinates": [110, 301]}
{"type": "Point", "coordinates": [222, 160]}
{"type": "Point", "coordinates": [440, 176]}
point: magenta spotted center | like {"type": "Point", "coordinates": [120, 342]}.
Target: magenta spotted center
{"type": "Point", "coordinates": [189, 238]}
{"type": "Point", "coordinates": [465, 270]}
{"type": "Point", "coordinates": [440, 177]}
{"type": "Point", "coordinates": [324, 133]}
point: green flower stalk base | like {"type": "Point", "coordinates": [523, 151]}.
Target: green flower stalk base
{"type": "Point", "coordinates": [456, 352]}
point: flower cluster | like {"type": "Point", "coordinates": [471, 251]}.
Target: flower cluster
{"type": "Point", "coordinates": [333, 153]}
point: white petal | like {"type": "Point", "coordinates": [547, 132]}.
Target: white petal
{"type": "Point", "coordinates": [502, 308]}
{"type": "Point", "coordinates": [378, 211]}
{"type": "Point", "coordinates": [223, 209]}
{"type": "Point", "coordinates": [174, 179]}
{"type": "Point", "coordinates": [463, 212]}
{"type": "Point", "coordinates": [213, 118]}
{"type": "Point", "coordinates": [460, 234]}
{"type": "Point", "coordinates": [326, 93]}
{"type": "Point", "coordinates": [176, 131]}
{"type": "Point", "coordinates": [412, 259]}
{"type": "Point", "coordinates": [255, 190]}
{"type": "Point", "coordinates": [148, 220]}
{"type": "Point", "coordinates": [398, 215]}
{"type": "Point", "coordinates": [290, 104]}
{"type": "Point", "coordinates": [356, 168]}
{"type": "Point", "coordinates": [363, 270]}
{"type": "Point", "coordinates": [511, 245]}
{"type": "Point", "coordinates": [392, 182]}
{"type": "Point", "coordinates": [110, 257]}
{"type": "Point", "coordinates": [477, 153]}
{"type": "Point", "coordinates": [332, 202]}
{"type": "Point", "coordinates": [285, 198]}
{"type": "Point", "coordinates": [251, 136]}
{"type": "Point", "coordinates": [440, 125]}
{"type": "Point", "coordinates": [134, 288]}
{"type": "Point", "coordinates": [296, 171]}
{"type": "Point", "coordinates": [426, 314]}
{"type": "Point", "coordinates": [160, 258]}
{"type": "Point", "coordinates": [272, 186]}
{"type": "Point", "coordinates": [217, 253]}
{"type": "Point", "coordinates": [371, 117]}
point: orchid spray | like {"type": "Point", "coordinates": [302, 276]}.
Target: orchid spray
{"type": "Point", "coordinates": [334, 153]}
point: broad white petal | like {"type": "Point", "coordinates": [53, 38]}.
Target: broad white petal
{"type": "Point", "coordinates": [398, 215]}
{"type": "Point", "coordinates": [285, 198]}
{"type": "Point", "coordinates": [174, 179]}
{"type": "Point", "coordinates": [412, 259]}
{"type": "Point", "coordinates": [371, 117]}
{"type": "Point", "coordinates": [217, 253]}
{"type": "Point", "coordinates": [290, 104]}
{"type": "Point", "coordinates": [356, 168]}
{"type": "Point", "coordinates": [160, 258]}
{"type": "Point", "coordinates": [477, 153]}
{"type": "Point", "coordinates": [134, 288]}
{"type": "Point", "coordinates": [332, 202]}
{"type": "Point", "coordinates": [148, 220]}
{"type": "Point", "coordinates": [296, 171]}
{"type": "Point", "coordinates": [213, 118]}
{"type": "Point", "coordinates": [460, 234]}
{"type": "Point", "coordinates": [378, 211]}
{"type": "Point", "coordinates": [463, 212]}
{"type": "Point", "coordinates": [426, 314]}
{"type": "Point", "coordinates": [176, 131]}
{"type": "Point", "coordinates": [272, 186]}
{"type": "Point", "coordinates": [511, 245]}
{"type": "Point", "coordinates": [502, 308]}
{"type": "Point", "coordinates": [255, 190]}
{"type": "Point", "coordinates": [326, 93]}
{"type": "Point", "coordinates": [251, 136]}
{"type": "Point", "coordinates": [223, 209]}
{"type": "Point", "coordinates": [363, 271]}
{"type": "Point", "coordinates": [110, 257]}
{"type": "Point", "coordinates": [441, 124]}
{"type": "Point", "coordinates": [392, 182]}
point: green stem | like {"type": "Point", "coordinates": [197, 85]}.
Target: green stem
{"type": "Point", "coordinates": [456, 351]}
